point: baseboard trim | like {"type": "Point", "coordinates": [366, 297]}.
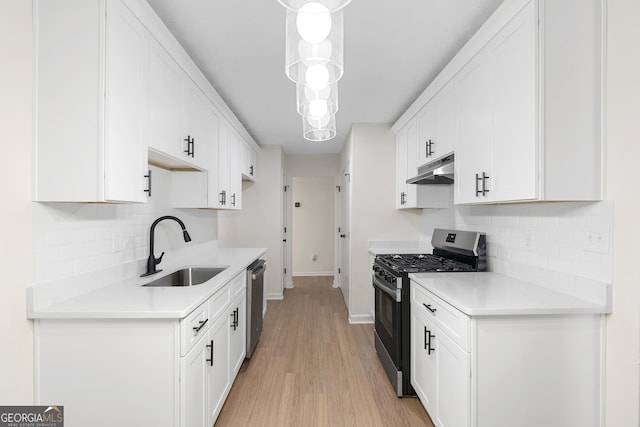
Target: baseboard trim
{"type": "Point", "coordinates": [274, 296]}
{"type": "Point", "coordinates": [312, 273]}
{"type": "Point", "coordinates": [289, 285]}
{"type": "Point", "coordinates": [335, 283]}
{"type": "Point", "coordinates": [357, 319]}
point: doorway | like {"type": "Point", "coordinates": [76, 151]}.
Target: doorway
{"type": "Point", "coordinates": [313, 225]}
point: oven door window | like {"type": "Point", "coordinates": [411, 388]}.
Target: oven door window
{"type": "Point", "coordinates": [387, 323]}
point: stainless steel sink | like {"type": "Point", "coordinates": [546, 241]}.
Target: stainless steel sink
{"type": "Point", "coordinates": [190, 276]}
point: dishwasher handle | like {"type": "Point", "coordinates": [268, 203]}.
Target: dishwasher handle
{"type": "Point", "coordinates": [258, 272]}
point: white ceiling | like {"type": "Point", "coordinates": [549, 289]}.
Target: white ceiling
{"type": "Point", "coordinates": [392, 50]}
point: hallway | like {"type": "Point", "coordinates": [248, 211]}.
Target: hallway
{"type": "Point", "coordinates": [311, 368]}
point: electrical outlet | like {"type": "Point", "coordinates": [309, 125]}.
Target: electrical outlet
{"type": "Point", "coordinates": [597, 240]}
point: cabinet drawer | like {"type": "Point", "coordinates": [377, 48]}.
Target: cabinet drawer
{"type": "Point", "coordinates": [453, 322]}
{"type": "Point", "coordinates": [238, 284]}
{"type": "Point", "coordinates": [193, 327]}
{"type": "Point", "coordinates": [218, 303]}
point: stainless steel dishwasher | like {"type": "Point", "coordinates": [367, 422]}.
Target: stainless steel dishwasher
{"type": "Point", "coordinates": [255, 294]}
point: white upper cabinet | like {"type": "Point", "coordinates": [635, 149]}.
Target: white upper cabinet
{"type": "Point", "coordinates": [249, 155]}
{"type": "Point", "coordinates": [115, 91]}
{"type": "Point", "coordinates": [235, 171]}
{"type": "Point", "coordinates": [165, 102]}
{"type": "Point", "coordinates": [410, 196]}
{"type": "Point", "coordinates": [91, 103]}
{"type": "Point", "coordinates": [497, 151]}
{"type": "Point", "coordinates": [526, 93]}
{"type": "Point", "coordinates": [178, 114]}
{"type": "Point", "coordinates": [436, 127]}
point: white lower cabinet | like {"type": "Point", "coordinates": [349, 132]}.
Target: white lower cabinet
{"type": "Point", "coordinates": [440, 370]}
{"type": "Point", "coordinates": [155, 372]}
{"type": "Point", "coordinates": [505, 370]}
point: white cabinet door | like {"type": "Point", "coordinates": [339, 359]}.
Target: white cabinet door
{"type": "Point", "coordinates": [238, 334]}
{"type": "Point", "coordinates": [193, 386]}
{"type": "Point", "coordinates": [445, 122]}
{"type": "Point", "coordinates": [235, 171]}
{"type": "Point", "coordinates": [426, 133]}
{"type": "Point", "coordinates": [248, 162]}
{"type": "Point", "coordinates": [165, 102]}
{"type": "Point", "coordinates": [423, 361]}
{"type": "Point", "coordinates": [92, 103]}
{"type": "Point", "coordinates": [514, 140]}
{"type": "Point", "coordinates": [406, 167]}
{"type": "Point", "coordinates": [453, 381]}
{"type": "Point", "coordinates": [126, 109]}
{"type": "Point", "coordinates": [217, 370]}
{"type": "Point", "coordinates": [473, 168]}
{"type": "Point", "coordinates": [223, 165]}
{"type": "Point", "coordinates": [411, 196]}
{"type": "Point", "coordinates": [436, 127]}
{"type": "Point", "coordinates": [497, 149]}
{"type": "Point", "coordinates": [196, 136]}
{"type": "Point", "coordinates": [401, 168]}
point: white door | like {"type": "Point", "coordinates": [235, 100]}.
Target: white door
{"type": "Point", "coordinates": [345, 228]}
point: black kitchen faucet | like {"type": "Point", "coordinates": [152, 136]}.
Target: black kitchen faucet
{"type": "Point", "coordinates": [152, 261]}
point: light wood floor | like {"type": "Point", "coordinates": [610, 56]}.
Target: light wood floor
{"type": "Point", "coordinates": [311, 368]}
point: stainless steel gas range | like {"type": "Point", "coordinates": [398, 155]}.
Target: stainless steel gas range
{"type": "Point", "coordinates": [453, 251]}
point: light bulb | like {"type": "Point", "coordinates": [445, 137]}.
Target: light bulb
{"type": "Point", "coordinates": [313, 22]}
{"type": "Point", "coordinates": [317, 76]}
{"type": "Point", "coordinates": [318, 107]}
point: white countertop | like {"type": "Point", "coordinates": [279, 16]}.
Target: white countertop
{"type": "Point", "coordinates": [486, 293]}
{"type": "Point", "coordinates": [129, 299]}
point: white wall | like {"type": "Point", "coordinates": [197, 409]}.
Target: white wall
{"type": "Point", "coordinates": [16, 249]}
{"type": "Point", "coordinates": [371, 153]}
{"type": "Point", "coordinates": [259, 223]}
{"type": "Point", "coordinates": [313, 225]}
{"type": "Point", "coordinates": [311, 165]}
{"type": "Point", "coordinates": [623, 152]}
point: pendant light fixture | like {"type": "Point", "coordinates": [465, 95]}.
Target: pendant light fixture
{"type": "Point", "coordinates": [314, 61]}
{"type": "Point", "coordinates": [314, 45]}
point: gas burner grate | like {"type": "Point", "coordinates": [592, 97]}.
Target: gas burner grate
{"type": "Point", "coordinates": [414, 263]}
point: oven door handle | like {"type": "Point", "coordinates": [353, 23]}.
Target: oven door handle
{"type": "Point", "coordinates": [397, 297]}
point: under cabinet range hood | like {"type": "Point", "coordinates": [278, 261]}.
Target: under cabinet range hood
{"type": "Point", "coordinates": [439, 171]}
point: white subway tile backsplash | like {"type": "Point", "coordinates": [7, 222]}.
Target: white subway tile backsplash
{"type": "Point", "coordinates": [73, 239]}
{"type": "Point", "coordinates": [527, 240]}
